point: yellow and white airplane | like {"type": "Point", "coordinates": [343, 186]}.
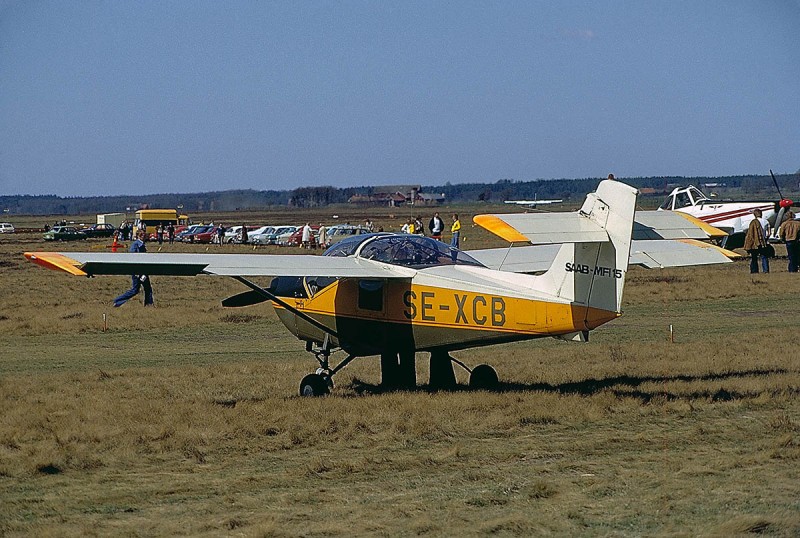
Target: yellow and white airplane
{"type": "Point", "coordinates": [394, 295]}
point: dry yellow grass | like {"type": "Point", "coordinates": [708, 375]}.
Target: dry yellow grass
{"type": "Point", "coordinates": [182, 419]}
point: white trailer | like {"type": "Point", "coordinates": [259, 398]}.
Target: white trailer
{"type": "Point", "coordinates": [115, 219]}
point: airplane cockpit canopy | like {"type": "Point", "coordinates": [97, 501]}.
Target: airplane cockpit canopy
{"type": "Point", "coordinates": [349, 246]}
{"type": "Point", "coordinates": [407, 250]}
{"type": "Point", "coordinates": [684, 198]}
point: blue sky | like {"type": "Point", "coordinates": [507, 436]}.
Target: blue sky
{"type": "Point", "coordinates": [138, 97]}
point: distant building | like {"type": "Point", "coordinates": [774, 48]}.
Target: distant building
{"type": "Point", "coordinates": [394, 195]}
{"type": "Point", "coordinates": [424, 198]}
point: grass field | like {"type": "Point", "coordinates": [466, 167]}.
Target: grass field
{"type": "Point", "coordinates": [183, 419]}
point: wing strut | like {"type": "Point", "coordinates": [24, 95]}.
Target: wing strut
{"type": "Point", "coordinates": [272, 297]}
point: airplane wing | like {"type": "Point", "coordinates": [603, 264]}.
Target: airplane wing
{"type": "Point", "coordinates": [105, 263]}
{"type": "Point", "coordinates": [647, 253]}
{"type": "Point", "coordinates": [532, 202]}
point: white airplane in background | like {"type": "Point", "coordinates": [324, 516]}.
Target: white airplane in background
{"type": "Point", "coordinates": [729, 216]}
{"type": "Point", "coordinates": [532, 203]}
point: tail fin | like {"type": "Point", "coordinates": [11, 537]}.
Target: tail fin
{"type": "Point", "coordinates": [591, 274]}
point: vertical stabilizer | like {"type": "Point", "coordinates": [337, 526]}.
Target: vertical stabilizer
{"type": "Point", "coordinates": [592, 274]}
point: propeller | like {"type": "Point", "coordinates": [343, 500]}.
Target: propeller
{"type": "Point", "coordinates": [784, 204]}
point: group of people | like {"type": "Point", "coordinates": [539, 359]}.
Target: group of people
{"type": "Point", "coordinates": [436, 226]}
{"type": "Point", "coordinates": [756, 241]}
{"type": "Point", "coordinates": [308, 240]}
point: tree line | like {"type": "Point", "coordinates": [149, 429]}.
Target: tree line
{"type": "Point", "coordinates": [304, 197]}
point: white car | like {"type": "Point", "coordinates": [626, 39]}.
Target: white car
{"type": "Point", "coordinates": [259, 237]}
{"type": "Point", "coordinates": [6, 228]}
{"type": "Point", "coordinates": [234, 234]}
{"type": "Point", "coordinates": [283, 234]}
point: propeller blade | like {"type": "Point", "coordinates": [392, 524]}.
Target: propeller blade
{"type": "Point", "coordinates": [775, 181]}
{"type": "Point", "coordinates": [778, 221]}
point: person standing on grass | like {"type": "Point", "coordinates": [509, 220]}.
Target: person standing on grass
{"type": "Point", "coordinates": [790, 233]}
{"type": "Point", "coordinates": [323, 236]}
{"type": "Point", "coordinates": [221, 235]}
{"type": "Point", "coordinates": [137, 281]}
{"type": "Point", "coordinates": [755, 243]}
{"type": "Point", "coordinates": [436, 226]}
{"type": "Point", "coordinates": [305, 236]}
{"type": "Point", "coordinates": [455, 229]}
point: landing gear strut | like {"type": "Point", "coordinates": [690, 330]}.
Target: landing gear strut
{"type": "Point", "coordinates": [320, 382]}
{"type": "Point", "coordinates": [482, 376]}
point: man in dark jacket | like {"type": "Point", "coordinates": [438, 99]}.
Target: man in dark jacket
{"type": "Point", "coordinates": [137, 281]}
{"type": "Point", "coordinates": [790, 233]}
{"type": "Point", "coordinates": [436, 226]}
{"type": "Point", "coordinates": [755, 243]}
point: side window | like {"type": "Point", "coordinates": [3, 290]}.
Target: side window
{"type": "Point", "coordinates": [682, 200]}
{"type": "Point", "coordinates": [370, 295]}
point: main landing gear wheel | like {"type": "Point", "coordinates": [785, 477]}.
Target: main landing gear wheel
{"type": "Point", "coordinates": [483, 377]}
{"type": "Point", "coordinates": [315, 385]}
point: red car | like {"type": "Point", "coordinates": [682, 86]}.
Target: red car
{"type": "Point", "coordinates": [296, 238]}
{"type": "Point", "coordinates": [206, 236]}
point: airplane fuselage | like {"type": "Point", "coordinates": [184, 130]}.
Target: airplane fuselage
{"type": "Point", "coordinates": [370, 317]}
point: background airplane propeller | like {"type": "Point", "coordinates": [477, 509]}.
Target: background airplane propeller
{"type": "Point", "coordinates": [784, 204]}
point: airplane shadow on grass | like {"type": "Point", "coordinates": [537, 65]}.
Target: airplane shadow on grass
{"type": "Point", "coordinates": [624, 386]}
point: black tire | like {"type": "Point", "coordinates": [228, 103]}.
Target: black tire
{"type": "Point", "coordinates": [314, 385]}
{"type": "Point", "coordinates": [483, 377]}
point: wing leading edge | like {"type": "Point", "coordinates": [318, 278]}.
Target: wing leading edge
{"type": "Point", "coordinates": [104, 263]}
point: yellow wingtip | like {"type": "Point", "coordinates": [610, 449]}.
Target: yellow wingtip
{"type": "Point", "coordinates": [729, 253]}
{"type": "Point", "coordinates": [712, 231]}
{"type": "Point", "coordinates": [56, 261]}
{"type": "Point", "coordinates": [500, 228]}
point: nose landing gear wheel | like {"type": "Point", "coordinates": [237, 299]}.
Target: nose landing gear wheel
{"type": "Point", "coordinates": [483, 377]}
{"type": "Point", "coordinates": [314, 385]}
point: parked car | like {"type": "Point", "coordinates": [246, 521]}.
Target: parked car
{"type": "Point", "coordinates": [341, 231]}
{"type": "Point", "coordinates": [100, 230]}
{"type": "Point", "coordinates": [199, 231]}
{"type": "Point", "coordinates": [297, 237]}
{"type": "Point", "coordinates": [283, 238]}
{"type": "Point", "coordinates": [208, 235]}
{"type": "Point", "coordinates": [271, 238]}
{"type": "Point", "coordinates": [184, 234]}
{"type": "Point", "coordinates": [233, 234]}
{"type": "Point", "coordinates": [259, 235]}
{"type": "Point", "coordinates": [64, 233]}
{"type": "Point", "coordinates": [6, 228]}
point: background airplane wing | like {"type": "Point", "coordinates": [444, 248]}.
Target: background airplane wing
{"type": "Point", "coordinates": [533, 202]}
{"type": "Point", "coordinates": [651, 254]}
{"type": "Point", "coordinates": [104, 263]}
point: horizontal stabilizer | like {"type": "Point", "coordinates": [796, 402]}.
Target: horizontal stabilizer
{"type": "Point", "coordinates": [683, 253]}
{"type": "Point", "coordinates": [647, 253]}
{"type": "Point", "coordinates": [543, 228]}
{"type": "Point", "coordinates": [574, 227]}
